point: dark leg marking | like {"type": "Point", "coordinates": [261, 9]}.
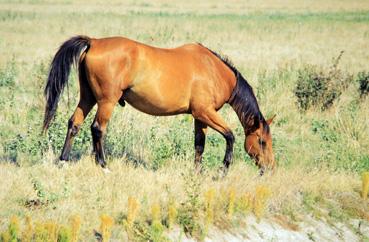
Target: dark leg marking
{"type": "Point", "coordinates": [200, 136]}
{"type": "Point", "coordinates": [97, 136]}
{"type": "Point", "coordinates": [121, 102]}
{"type": "Point", "coordinates": [229, 137]}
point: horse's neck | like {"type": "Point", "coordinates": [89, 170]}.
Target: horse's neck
{"type": "Point", "coordinates": [243, 102]}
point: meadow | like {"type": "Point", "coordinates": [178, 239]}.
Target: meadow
{"type": "Point", "coordinates": [283, 48]}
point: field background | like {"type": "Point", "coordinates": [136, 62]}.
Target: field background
{"type": "Point", "coordinates": [320, 155]}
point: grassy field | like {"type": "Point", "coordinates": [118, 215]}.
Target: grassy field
{"type": "Point", "coordinates": [321, 154]}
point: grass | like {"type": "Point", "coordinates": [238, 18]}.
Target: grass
{"type": "Point", "coordinates": [92, 193]}
{"type": "Point", "coordinates": [321, 155]}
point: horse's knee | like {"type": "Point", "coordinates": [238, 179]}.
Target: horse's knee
{"type": "Point", "coordinates": [73, 128]}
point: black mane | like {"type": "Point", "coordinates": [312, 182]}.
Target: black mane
{"type": "Point", "coordinates": [243, 100]}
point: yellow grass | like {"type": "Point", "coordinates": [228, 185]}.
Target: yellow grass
{"type": "Point", "coordinates": [92, 192]}
{"type": "Point", "coordinates": [365, 189]}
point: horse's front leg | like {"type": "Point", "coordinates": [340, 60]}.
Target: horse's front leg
{"type": "Point", "coordinates": [211, 118]}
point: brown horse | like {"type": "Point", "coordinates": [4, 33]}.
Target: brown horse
{"type": "Point", "coordinates": [189, 79]}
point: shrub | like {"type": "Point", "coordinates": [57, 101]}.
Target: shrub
{"type": "Point", "coordinates": [363, 80]}
{"type": "Point", "coordinates": [319, 87]}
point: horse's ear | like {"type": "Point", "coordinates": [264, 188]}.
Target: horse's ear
{"type": "Point", "coordinates": [270, 120]}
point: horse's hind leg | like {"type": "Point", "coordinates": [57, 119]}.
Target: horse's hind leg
{"type": "Point", "coordinates": [200, 135]}
{"type": "Point", "coordinates": [98, 130]}
{"type": "Point", "coordinates": [74, 124]}
{"type": "Point", "coordinates": [215, 121]}
{"type": "Point", "coordinates": [86, 103]}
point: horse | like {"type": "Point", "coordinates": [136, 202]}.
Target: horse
{"type": "Point", "coordinates": [190, 79]}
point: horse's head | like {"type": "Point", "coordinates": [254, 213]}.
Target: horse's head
{"type": "Point", "coordinates": [258, 145]}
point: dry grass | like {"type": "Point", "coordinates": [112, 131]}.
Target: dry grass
{"type": "Point", "coordinates": [272, 33]}
{"type": "Point", "coordinates": [91, 193]}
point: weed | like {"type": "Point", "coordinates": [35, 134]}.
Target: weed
{"type": "Point", "coordinates": [8, 75]}
{"type": "Point", "coordinates": [41, 233]}
{"type": "Point", "coordinates": [156, 228]}
{"type": "Point", "coordinates": [363, 80]}
{"type": "Point", "coordinates": [5, 236]}
{"type": "Point", "coordinates": [365, 186]}
{"type": "Point", "coordinates": [13, 229]}
{"type": "Point", "coordinates": [262, 194]}
{"type": "Point", "coordinates": [129, 222]}
{"type": "Point", "coordinates": [189, 212]}
{"type": "Point", "coordinates": [75, 222]}
{"type": "Point", "coordinates": [64, 234]}
{"type": "Point", "coordinates": [133, 208]}
{"type": "Point", "coordinates": [28, 230]}
{"type": "Point", "coordinates": [155, 213]}
{"type": "Point", "coordinates": [209, 206]}
{"type": "Point", "coordinates": [172, 213]}
{"type": "Point", "coordinates": [106, 223]}
{"type": "Point", "coordinates": [52, 230]}
{"type": "Point", "coordinates": [309, 200]}
{"type": "Point", "coordinates": [244, 204]}
{"type": "Point", "coordinates": [46, 197]}
{"type": "Point", "coordinates": [323, 129]}
{"type": "Point", "coordinates": [231, 202]}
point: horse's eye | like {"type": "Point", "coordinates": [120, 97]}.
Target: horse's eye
{"type": "Point", "coordinates": [262, 143]}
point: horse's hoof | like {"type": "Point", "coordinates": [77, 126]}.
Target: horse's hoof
{"type": "Point", "coordinates": [222, 173]}
{"type": "Point", "coordinates": [61, 163]}
{"type": "Point", "coordinates": [106, 170]}
{"type": "Point", "coordinates": [199, 170]}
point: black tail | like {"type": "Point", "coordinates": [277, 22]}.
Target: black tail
{"type": "Point", "coordinates": [69, 53]}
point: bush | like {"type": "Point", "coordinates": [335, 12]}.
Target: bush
{"type": "Point", "coordinates": [319, 87]}
{"type": "Point", "coordinates": [363, 80]}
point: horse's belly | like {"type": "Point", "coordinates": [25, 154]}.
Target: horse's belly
{"type": "Point", "coordinates": [154, 103]}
